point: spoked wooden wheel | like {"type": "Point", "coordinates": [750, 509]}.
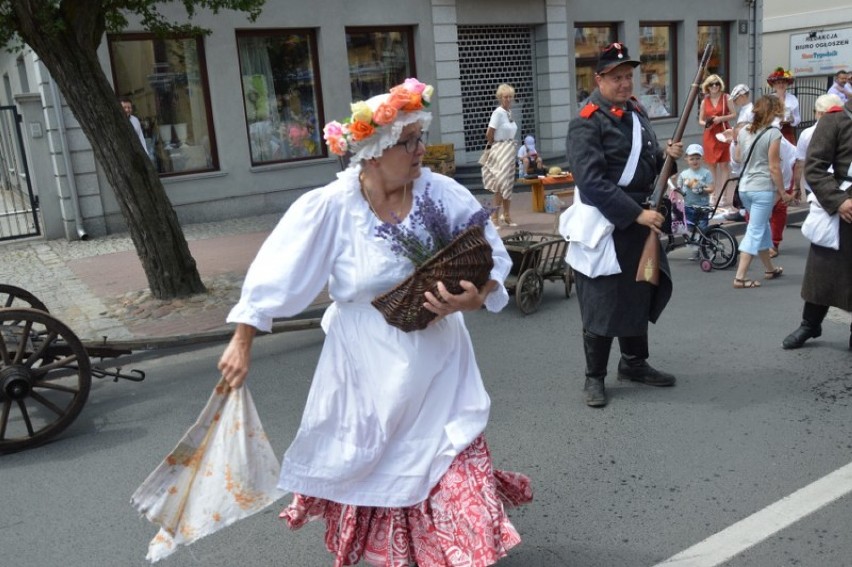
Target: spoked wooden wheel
{"type": "Point", "coordinates": [568, 276]}
{"type": "Point", "coordinates": [45, 378]}
{"type": "Point", "coordinates": [528, 292]}
{"type": "Point", "coordinates": [11, 296]}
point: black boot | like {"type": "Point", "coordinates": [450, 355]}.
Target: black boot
{"type": "Point", "coordinates": [798, 337]}
{"type": "Point", "coordinates": [596, 348]}
{"type": "Point", "coordinates": [634, 363]}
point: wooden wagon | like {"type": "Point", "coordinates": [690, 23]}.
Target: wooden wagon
{"type": "Point", "coordinates": [536, 256]}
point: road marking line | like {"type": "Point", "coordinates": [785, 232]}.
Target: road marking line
{"type": "Point", "coordinates": [750, 531]}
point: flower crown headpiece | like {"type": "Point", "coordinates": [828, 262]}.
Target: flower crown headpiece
{"type": "Point", "coordinates": [376, 124]}
{"type": "Point", "coordinates": [779, 74]}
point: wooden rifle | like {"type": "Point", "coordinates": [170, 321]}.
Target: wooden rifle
{"type": "Point", "coordinates": [649, 263]}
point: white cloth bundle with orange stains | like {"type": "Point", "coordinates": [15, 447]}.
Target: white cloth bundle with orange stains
{"type": "Point", "coordinates": [223, 470]}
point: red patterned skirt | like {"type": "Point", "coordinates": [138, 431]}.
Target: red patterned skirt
{"type": "Point", "coordinates": [461, 523]}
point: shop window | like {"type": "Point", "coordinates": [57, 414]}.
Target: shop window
{"type": "Point", "coordinates": [281, 95]}
{"type": "Point", "coordinates": [166, 79]}
{"type": "Point", "coordinates": [379, 58]}
{"type": "Point", "coordinates": [717, 34]}
{"type": "Point", "coordinates": [589, 39]}
{"type": "Point", "coordinates": [657, 91]}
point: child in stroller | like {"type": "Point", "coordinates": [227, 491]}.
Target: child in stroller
{"type": "Point", "coordinates": [689, 193]}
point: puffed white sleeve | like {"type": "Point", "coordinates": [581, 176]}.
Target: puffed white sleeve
{"type": "Point", "coordinates": [499, 297]}
{"type": "Point", "coordinates": [292, 266]}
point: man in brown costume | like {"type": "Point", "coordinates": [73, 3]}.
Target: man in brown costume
{"type": "Point", "coordinates": [828, 273]}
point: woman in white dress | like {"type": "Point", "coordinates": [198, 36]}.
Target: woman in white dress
{"type": "Point", "coordinates": [390, 451]}
{"type": "Point", "coordinates": [498, 172]}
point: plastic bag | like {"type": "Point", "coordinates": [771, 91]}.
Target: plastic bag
{"type": "Point", "coordinates": [223, 470]}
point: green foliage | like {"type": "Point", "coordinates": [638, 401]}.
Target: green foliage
{"type": "Point", "coordinates": [94, 17]}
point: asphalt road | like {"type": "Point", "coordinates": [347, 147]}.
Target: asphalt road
{"type": "Point", "coordinates": [652, 474]}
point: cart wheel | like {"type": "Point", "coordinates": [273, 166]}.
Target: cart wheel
{"type": "Point", "coordinates": [528, 291]}
{"type": "Point", "coordinates": [719, 247]}
{"type": "Point", "coordinates": [568, 276]}
{"type": "Point", "coordinates": [706, 266]}
{"type": "Point", "coordinates": [45, 378]}
{"type": "Point", "coordinates": [11, 296]}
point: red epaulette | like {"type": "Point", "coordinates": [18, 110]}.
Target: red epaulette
{"type": "Point", "coordinates": [835, 109]}
{"type": "Point", "coordinates": [588, 110]}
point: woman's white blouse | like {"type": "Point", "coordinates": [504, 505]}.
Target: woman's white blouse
{"type": "Point", "coordinates": [387, 411]}
{"type": "Point", "coordinates": [791, 109]}
{"type": "Point", "coordinates": [504, 127]}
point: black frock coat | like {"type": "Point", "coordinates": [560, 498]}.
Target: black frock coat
{"type": "Point", "coordinates": [828, 272]}
{"type": "Point", "coordinates": [598, 145]}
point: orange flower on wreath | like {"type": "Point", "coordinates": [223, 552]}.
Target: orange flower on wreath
{"type": "Point", "coordinates": [384, 114]}
{"type": "Point", "coordinates": [337, 146]}
{"type": "Point", "coordinates": [399, 98]}
{"type": "Point", "coordinates": [360, 130]}
{"type": "Point", "coordinates": [414, 103]}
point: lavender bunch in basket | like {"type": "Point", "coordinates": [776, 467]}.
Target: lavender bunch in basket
{"type": "Point", "coordinates": [432, 216]}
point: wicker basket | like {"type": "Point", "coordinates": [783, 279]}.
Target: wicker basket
{"type": "Point", "coordinates": [467, 257]}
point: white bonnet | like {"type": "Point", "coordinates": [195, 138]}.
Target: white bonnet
{"type": "Point", "coordinates": [376, 124]}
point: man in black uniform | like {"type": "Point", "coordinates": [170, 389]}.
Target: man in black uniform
{"type": "Point", "coordinates": [599, 145]}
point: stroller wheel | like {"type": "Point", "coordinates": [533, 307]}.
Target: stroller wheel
{"type": "Point", "coordinates": [706, 266]}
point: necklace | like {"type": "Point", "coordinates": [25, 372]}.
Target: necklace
{"type": "Point", "coordinates": [370, 201]}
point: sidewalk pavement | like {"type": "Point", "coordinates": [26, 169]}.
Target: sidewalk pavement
{"type": "Point", "coordinates": [97, 287]}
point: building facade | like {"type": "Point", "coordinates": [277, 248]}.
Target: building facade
{"type": "Point", "coordinates": [233, 120]}
{"type": "Point", "coordinates": [813, 40]}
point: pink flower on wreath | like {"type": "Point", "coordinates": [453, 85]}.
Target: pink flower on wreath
{"type": "Point", "coordinates": [333, 129]}
{"type": "Point", "coordinates": [413, 85]}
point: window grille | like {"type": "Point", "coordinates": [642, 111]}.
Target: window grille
{"type": "Point", "coordinates": [488, 56]}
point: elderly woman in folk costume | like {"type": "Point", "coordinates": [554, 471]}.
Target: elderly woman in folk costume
{"type": "Point", "coordinates": [390, 451]}
{"type": "Point", "coordinates": [498, 171]}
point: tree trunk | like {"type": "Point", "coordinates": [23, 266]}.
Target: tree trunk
{"type": "Point", "coordinates": [152, 222]}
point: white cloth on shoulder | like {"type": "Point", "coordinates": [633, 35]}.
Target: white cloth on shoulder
{"type": "Point", "coordinates": [591, 250]}
{"type": "Point", "coordinates": [820, 227]}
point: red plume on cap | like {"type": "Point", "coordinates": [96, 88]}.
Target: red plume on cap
{"type": "Point", "coordinates": [612, 56]}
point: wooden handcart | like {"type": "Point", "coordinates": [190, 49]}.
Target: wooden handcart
{"type": "Point", "coordinates": [536, 256]}
{"type": "Point", "coordinates": [45, 371]}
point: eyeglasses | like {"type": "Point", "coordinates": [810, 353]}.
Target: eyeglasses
{"type": "Point", "coordinates": [715, 85]}
{"type": "Point", "coordinates": [412, 144]}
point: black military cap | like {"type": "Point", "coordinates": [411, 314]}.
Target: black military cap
{"type": "Point", "coordinates": [612, 56]}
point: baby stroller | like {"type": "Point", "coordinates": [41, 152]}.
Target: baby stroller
{"type": "Point", "coordinates": [717, 248]}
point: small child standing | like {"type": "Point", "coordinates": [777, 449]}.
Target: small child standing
{"type": "Point", "coordinates": [695, 184]}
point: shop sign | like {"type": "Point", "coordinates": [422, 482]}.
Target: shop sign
{"type": "Point", "coordinates": [821, 52]}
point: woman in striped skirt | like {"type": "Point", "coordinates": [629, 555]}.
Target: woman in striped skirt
{"type": "Point", "coordinates": [498, 171]}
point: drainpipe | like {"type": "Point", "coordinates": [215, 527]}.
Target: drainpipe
{"type": "Point", "coordinates": [66, 158]}
{"type": "Point", "coordinates": [753, 24]}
